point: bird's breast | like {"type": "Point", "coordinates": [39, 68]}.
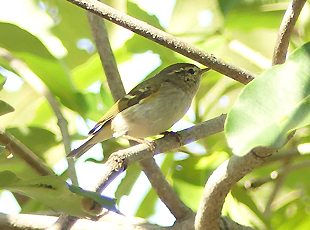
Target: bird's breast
{"type": "Point", "coordinates": [153, 115]}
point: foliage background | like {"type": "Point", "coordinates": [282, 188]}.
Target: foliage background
{"type": "Point", "coordinates": [56, 44]}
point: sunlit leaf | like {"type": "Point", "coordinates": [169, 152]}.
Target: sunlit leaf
{"type": "Point", "coordinates": [17, 40]}
{"type": "Point", "coordinates": [37, 139]}
{"type": "Point", "coordinates": [272, 105]}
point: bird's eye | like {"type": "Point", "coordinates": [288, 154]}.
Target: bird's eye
{"type": "Point", "coordinates": [191, 71]}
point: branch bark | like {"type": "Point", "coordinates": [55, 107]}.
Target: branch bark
{"type": "Point", "coordinates": [221, 182]}
{"type": "Point", "coordinates": [120, 160]}
{"type": "Point", "coordinates": [165, 192]}
{"type": "Point", "coordinates": [285, 31]}
{"type": "Point", "coordinates": [23, 152]}
{"type": "Point", "coordinates": [100, 35]}
{"type": "Point", "coordinates": [119, 222]}
{"type": "Point", "coordinates": [165, 39]}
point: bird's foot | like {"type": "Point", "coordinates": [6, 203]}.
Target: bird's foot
{"type": "Point", "coordinates": [151, 144]}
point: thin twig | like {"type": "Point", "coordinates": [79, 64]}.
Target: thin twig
{"type": "Point", "coordinates": [165, 192]}
{"type": "Point", "coordinates": [285, 31]}
{"type": "Point", "coordinates": [281, 172]}
{"type": "Point", "coordinates": [38, 85]}
{"type": "Point", "coordinates": [165, 39]}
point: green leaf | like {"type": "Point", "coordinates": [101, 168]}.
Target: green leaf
{"type": "Point", "coordinates": [95, 106]}
{"type": "Point", "coordinates": [53, 192]}
{"type": "Point", "coordinates": [189, 193]}
{"type": "Point", "coordinates": [88, 73]}
{"type": "Point", "coordinates": [37, 139]}
{"type": "Point", "coordinates": [106, 202]}
{"type": "Point", "coordinates": [5, 108]}
{"type": "Point", "coordinates": [2, 81]}
{"type": "Point", "coordinates": [240, 16]}
{"type": "Point", "coordinates": [242, 195]}
{"type": "Point", "coordinates": [272, 105]}
{"type": "Point", "coordinates": [70, 29]}
{"type": "Point", "coordinates": [49, 69]}
{"type": "Point", "coordinates": [56, 78]}
{"type": "Point", "coordinates": [227, 6]}
{"type": "Point", "coordinates": [132, 174]}
{"type": "Point", "coordinates": [17, 40]}
{"type": "Point", "coordinates": [135, 11]}
{"type": "Point", "coordinates": [147, 207]}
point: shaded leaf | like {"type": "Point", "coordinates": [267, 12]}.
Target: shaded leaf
{"type": "Point", "coordinates": [240, 16]}
{"type": "Point", "coordinates": [51, 191]}
{"type": "Point", "coordinates": [104, 201]}
{"type": "Point", "coordinates": [5, 108]}
{"type": "Point", "coordinates": [2, 81]}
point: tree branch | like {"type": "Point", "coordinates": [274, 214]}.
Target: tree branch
{"type": "Point", "coordinates": [285, 31]}
{"type": "Point", "coordinates": [165, 192]}
{"type": "Point", "coordinates": [37, 84]}
{"type": "Point", "coordinates": [221, 182]}
{"type": "Point", "coordinates": [110, 221]}
{"type": "Point", "coordinates": [100, 35]}
{"type": "Point", "coordinates": [18, 149]}
{"type": "Point", "coordinates": [120, 160]}
{"type": "Point", "coordinates": [165, 39]}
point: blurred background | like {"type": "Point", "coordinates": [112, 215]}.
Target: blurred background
{"type": "Point", "coordinates": [53, 38]}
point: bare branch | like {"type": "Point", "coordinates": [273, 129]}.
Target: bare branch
{"type": "Point", "coordinates": [165, 192]}
{"type": "Point", "coordinates": [110, 221]}
{"type": "Point", "coordinates": [221, 182]}
{"type": "Point", "coordinates": [285, 31]}
{"type": "Point", "coordinates": [102, 42]}
{"type": "Point", "coordinates": [165, 39]}
{"type": "Point", "coordinates": [120, 160]}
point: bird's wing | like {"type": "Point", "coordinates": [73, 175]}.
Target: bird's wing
{"type": "Point", "coordinates": [141, 91]}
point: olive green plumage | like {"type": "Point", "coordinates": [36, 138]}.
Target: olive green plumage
{"type": "Point", "coordinates": [150, 108]}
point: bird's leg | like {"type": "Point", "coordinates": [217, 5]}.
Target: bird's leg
{"type": "Point", "coordinates": [175, 134]}
{"type": "Point", "coordinates": [141, 141]}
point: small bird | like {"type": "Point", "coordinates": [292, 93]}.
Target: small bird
{"type": "Point", "coordinates": [150, 108]}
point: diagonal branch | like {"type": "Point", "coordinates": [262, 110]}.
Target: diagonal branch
{"type": "Point", "coordinates": [220, 183]}
{"type": "Point", "coordinates": [163, 189]}
{"type": "Point", "coordinates": [120, 160]}
{"type": "Point", "coordinates": [37, 84]}
{"type": "Point", "coordinates": [165, 39]}
{"type": "Point", "coordinates": [100, 35]}
{"type": "Point", "coordinates": [285, 31]}
{"type": "Point", "coordinates": [23, 152]}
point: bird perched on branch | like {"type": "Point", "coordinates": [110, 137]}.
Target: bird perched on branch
{"type": "Point", "coordinates": [150, 108]}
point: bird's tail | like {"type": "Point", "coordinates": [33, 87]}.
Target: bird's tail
{"type": "Point", "coordinates": [76, 153]}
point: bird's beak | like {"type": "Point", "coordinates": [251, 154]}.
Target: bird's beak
{"type": "Point", "coordinates": [204, 70]}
